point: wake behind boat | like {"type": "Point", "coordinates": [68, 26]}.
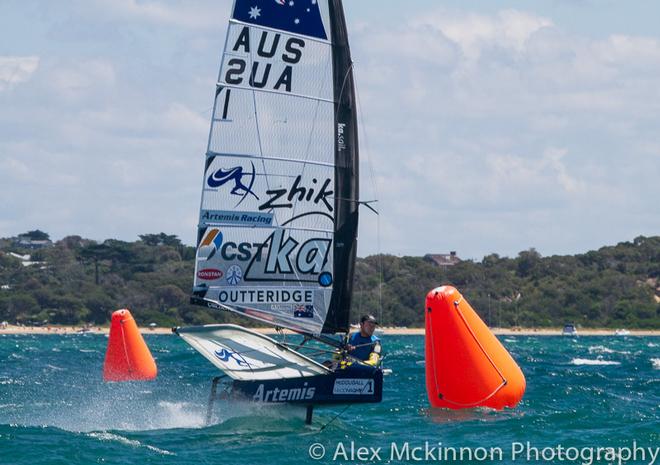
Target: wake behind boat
{"type": "Point", "coordinates": [277, 234]}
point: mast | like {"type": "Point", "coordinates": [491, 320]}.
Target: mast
{"type": "Point", "coordinates": [346, 174]}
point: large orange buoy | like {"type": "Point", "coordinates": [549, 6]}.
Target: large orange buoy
{"type": "Point", "coordinates": [128, 358]}
{"type": "Point", "coordinates": [466, 366]}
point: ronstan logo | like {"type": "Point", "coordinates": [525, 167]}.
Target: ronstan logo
{"type": "Point", "coordinates": [209, 274]}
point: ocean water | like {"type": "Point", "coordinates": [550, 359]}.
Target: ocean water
{"type": "Point", "coordinates": [582, 394]}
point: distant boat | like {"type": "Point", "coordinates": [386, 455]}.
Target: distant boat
{"type": "Point", "coordinates": [569, 330]}
{"type": "Point", "coordinates": [622, 332]}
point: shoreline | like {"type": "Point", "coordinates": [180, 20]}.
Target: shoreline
{"type": "Point", "coordinates": [386, 331]}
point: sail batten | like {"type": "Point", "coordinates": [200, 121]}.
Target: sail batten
{"type": "Point", "coordinates": [266, 91]}
{"type": "Point", "coordinates": [277, 229]}
{"type": "Point", "coordinates": [290, 160]}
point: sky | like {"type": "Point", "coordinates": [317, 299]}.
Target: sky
{"type": "Point", "coordinates": [485, 126]}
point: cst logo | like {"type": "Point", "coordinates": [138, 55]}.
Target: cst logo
{"type": "Point", "coordinates": [214, 242]}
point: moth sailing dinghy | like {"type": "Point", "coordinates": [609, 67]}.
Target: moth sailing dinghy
{"type": "Point", "coordinates": [279, 212]}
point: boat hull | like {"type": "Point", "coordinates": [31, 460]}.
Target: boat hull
{"type": "Point", "coordinates": [355, 384]}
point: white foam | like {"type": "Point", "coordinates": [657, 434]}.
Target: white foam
{"type": "Point", "coordinates": [54, 368]}
{"type": "Point", "coordinates": [110, 437]}
{"type": "Point", "coordinates": [586, 361]}
{"type": "Point", "coordinates": [656, 363]}
{"type": "Point", "coordinates": [600, 350]}
{"type": "Point", "coordinates": [11, 405]}
{"type": "Point", "coordinates": [111, 413]}
{"type": "Point", "coordinates": [606, 350]}
{"type": "Point", "coordinates": [9, 381]}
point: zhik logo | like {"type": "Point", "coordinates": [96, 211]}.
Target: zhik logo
{"type": "Point", "coordinates": [284, 198]}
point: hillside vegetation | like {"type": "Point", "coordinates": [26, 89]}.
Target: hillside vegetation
{"type": "Point", "coordinates": [78, 281]}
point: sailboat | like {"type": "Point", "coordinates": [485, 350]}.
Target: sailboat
{"type": "Point", "coordinates": [278, 222]}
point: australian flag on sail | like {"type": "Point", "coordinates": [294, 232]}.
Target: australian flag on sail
{"type": "Point", "coordinates": [303, 311]}
{"type": "Point", "coordinates": [295, 16]}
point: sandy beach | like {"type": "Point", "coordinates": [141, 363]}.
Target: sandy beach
{"type": "Point", "coordinates": [387, 331]}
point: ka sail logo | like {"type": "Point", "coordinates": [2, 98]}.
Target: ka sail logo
{"type": "Point", "coordinates": [241, 182]}
{"type": "Point", "coordinates": [210, 244]}
{"type": "Point", "coordinates": [302, 17]}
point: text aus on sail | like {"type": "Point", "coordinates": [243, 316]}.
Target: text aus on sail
{"type": "Point", "coordinates": [260, 73]}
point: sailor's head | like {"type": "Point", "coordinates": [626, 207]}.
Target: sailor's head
{"type": "Point", "coordinates": [368, 325]}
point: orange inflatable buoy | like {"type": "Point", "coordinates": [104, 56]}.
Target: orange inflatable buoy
{"type": "Point", "coordinates": [466, 366]}
{"type": "Point", "coordinates": [128, 358]}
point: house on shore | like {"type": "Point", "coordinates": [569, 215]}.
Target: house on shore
{"type": "Point", "coordinates": [26, 242]}
{"type": "Point", "coordinates": [449, 259]}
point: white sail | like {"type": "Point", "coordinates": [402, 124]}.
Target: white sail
{"type": "Point", "coordinates": [245, 355]}
{"type": "Point", "coordinates": [278, 215]}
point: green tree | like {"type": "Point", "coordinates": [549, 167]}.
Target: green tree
{"type": "Point", "coordinates": [36, 235]}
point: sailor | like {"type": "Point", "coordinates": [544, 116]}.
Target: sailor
{"type": "Point", "coordinates": [363, 345]}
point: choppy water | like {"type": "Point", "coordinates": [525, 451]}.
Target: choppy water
{"type": "Point", "coordinates": [583, 393]}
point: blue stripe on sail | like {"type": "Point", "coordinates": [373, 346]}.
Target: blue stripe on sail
{"type": "Point", "coordinates": [295, 16]}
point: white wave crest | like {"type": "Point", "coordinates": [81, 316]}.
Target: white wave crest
{"type": "Point", "coordinates": [606, 350]}
{"type": "Point", "coordinates": [586, 361]}
{"type": "Point", "coordinates": [9, 381]}
{"type": "Point", "coordinates": [656, 363]}
{"type": "Point", "coordinates": [104, 436]}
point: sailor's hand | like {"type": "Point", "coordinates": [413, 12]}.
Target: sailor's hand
{"type": "Point", "coordinates": [373, 360]}
{"type": "Point", "coordinates": [350, 348]}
